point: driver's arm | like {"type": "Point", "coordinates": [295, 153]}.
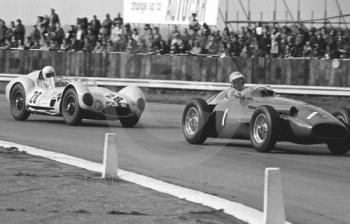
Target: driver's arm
{"type": "Point", "coordinates": [232, 92]}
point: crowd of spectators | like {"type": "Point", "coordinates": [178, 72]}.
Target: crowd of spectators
{"type": "Point", "coordinates": [113, 35]}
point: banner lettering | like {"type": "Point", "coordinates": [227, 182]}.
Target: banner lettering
{"type": "Point", "coordinates": [170, 11]}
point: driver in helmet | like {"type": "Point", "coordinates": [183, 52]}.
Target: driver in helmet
{"type": "Point", "coordinates": [237, 84]}
{"type": "Point", "coordinates": [47, 77]}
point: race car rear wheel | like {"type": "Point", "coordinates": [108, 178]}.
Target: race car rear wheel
{"type": "Point", "coordinates": [263, 129]}
{"type": "Point", "coordinates": [195, 121]}
{"type": "Point", "coordinates": [70, 107]}
{"type": "Point", "coordinates": [341, 147]}
{"type": "Point", "coordinates": [129, 122]}
{"type": "Point", "coordinates": [18, 103]}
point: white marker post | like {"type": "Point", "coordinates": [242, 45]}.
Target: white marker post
{"type": "Point", "coordinates": [110, 157]}
{"type": "Point", "coordinates": [273, 197]}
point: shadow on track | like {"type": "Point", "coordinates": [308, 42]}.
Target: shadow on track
{"type": "Point", "coordinates": [84, 123]}
{"type": "Point", "coordinates": [308, 150]}
{"type": "Point", "coordinates": [100, 123]}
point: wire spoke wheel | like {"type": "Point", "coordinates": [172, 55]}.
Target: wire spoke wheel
{"type": "Point", "coordinates": [18, 103]}
{"type": "Point", "coordinates": [195, 121]}
{"type": "Point", "coordinates": [70, 107]}
{"type": "Point", "coordinates": [264, 128]}
{"type": "Point", "coordinates": [260, 128]}
{"type": "Point", "coordinates": [341, 147]}
{"type": "Point", "coordinates": [191, 122]}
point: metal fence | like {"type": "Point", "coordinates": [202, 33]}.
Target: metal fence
{"type": "Point", "coordinates": [204, 86]}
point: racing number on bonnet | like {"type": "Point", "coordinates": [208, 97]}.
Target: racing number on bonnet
{"type": "Point", "coordinates": [35, 97]}
{"type": "Point", "coordinates": [120, 101]}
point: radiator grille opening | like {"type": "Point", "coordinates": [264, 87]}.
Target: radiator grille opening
{"type": "Point", "coordinates": [116, 111]}
{"type": "Point", "coordinates": [329, 130]}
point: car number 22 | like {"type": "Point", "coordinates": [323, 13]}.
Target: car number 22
{"type": "Point", "coordinates": [35, 97]}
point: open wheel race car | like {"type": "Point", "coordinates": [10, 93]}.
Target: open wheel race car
{"type": "Point", "coordinates": [74, 99]}
{"type": "Point", "coordinates": [262, 116]}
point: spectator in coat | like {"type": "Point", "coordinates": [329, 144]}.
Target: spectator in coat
{"type": "Point", "coordinates": [30, 44]}
{"type": "Point", "coordinates": [95, 26]}
{"type": "Point", "coordinates": [43, 23]}
{"type": "Point", "coordinates": [66, 45]}
{"type": "Point", "coordinates": [3, 30]}
{"type": "Point", "coordinates": [106, 28]}
{"type": "Point", "coordinates": [275, 41]}
{"type": "Point", "coordinates": [80, 37]}
{"type": "Point", "coordinates": [321, 45]}
{"type": "Point", "coordinates": [177, 45]}
{"type": "Point", "coordinates": [174, 32]}
{"type": "Point", "coordinates": [54, 19]}
{"type": "Point", "coordinates": [89, 41]}
{"type": "Point", "coordinates": [71, 33]}
{"type": "Point", "coordinates": [194, 25]}
{"type": "Point", "coordinates": [117, 34]}
{"type": "Point", "coordinates": [186, 38]}
{"type": "Point", "coordinates": [157, 38]}
{"type": "Point", "coordinates": [163, 48]}
{"type": "Point", "coordinates": [35, 35]}
{"type": "Point", "coordinates": [299, 44]}
{"type": "Point", "coordinates": [58, 35]}
{"type": "Point", "coordinates": [197, 48]}
{"type": "Point", "coordinates": [131, 46]}
{"type": "Point", "coordinates": [149, 39]}
{"type": "Point", "coordinates": [118, 19]}
{"type": "Point", "coordinates": [127, 29]}
{"type": "Point", "coordinates": [135, 35]}
{"type": "Point", "coordinates": [212, 46]}
{"type": "Point", "coordinates": [99, 47]}
{"type": "Point", "coordinates": [235, 47]}
{"type": "Point", "coordinates": [10, 37]}
{"type": "Point", "coordinates": [307, 49]}
{"type": "Point", "coordinates": [19, 32]}
{"type": "Point", "coordinates": [341, 43]}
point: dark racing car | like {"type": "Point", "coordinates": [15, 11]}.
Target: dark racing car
{"type": "Point", "coordinates": [261, 115]}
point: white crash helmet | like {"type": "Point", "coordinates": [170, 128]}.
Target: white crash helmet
{"type": "Point", "coordinates": [236, 75]}
{"type": "Point", "coordinates": [48, 72]}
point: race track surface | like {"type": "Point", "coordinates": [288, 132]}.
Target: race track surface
{"type": "Point", "coordinates": [316, 184]}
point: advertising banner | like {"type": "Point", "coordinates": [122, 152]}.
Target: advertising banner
{"type": "Point", "coordinates": [170, 11]}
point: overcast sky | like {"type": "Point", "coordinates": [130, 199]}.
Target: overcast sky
{"type": "Point", "coordinates": [69, 10]}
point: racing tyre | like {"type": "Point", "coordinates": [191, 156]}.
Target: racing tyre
{"type": "Point", "coordinates": [263, 128]}
{"type": "Point", "coordinates": [195, 121]}
{"type": "Point", "coordinates": [70, 107]}
{"type": "Point", "coordinates": [341, 147]}
{"type": "Point", "coordinates": [18, 103]}
{"type": "Point", "coordinates": [129, 122]}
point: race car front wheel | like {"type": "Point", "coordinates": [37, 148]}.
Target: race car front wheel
{"type": "Point", "coordinates": [263, 128]}
{"type": "Point", "coordinates": [341, 147]}
{"type": "Point", "coordinates": [70, 107]}
{"type": "Point", "coordinates": [195, 121]}
{"type": "Point", "coordinates": [18, 103]}
{"type": "Point", "coordinates": [129, 122]}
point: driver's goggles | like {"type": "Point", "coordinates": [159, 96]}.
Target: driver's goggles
{"type": "Point", "coordinates": [49, 75]}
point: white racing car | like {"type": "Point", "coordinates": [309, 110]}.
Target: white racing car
{"type": "Point", "coordinates": [41, 92]}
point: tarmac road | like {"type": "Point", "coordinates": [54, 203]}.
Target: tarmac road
{"type": "Point", "coordinates": [316, 184]}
